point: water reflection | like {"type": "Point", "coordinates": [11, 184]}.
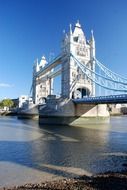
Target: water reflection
{"type": "Point", "coordinates": [48, 152]}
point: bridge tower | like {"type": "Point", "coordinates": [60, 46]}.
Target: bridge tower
{"type": "Point", "coordinates": [40, 88]}
{"type": "Point", "coordinates": [74, 83]}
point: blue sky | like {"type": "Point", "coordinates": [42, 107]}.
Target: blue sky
{"type": "Point", "coordinates": [32, 28]}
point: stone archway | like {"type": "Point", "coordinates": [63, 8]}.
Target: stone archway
{"type": "Point", "coordinates": [81, 93]}
{"type": "Point", "coordinates": [42, 100]}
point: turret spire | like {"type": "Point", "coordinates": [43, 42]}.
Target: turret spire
{"type": "Point", "coordinates": [92, 36]}
{"type": "Point", "coordinates": [92, 45]}
{"type": "Point", "coordinates": [37, 65]}
{"type": "Point", "coordinates": [78, 25]}
{"type": "Point", "coordinates": [70, 29]}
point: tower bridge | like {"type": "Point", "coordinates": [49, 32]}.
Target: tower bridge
{"type": "Point", "coordinates": [74, 83]}
{"type": "Point", "coordinates": [81, 75]}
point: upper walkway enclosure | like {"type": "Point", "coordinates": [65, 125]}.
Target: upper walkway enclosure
{"type": "Point", "coordinates": [82, 75]}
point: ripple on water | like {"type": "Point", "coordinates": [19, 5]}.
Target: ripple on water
{"type": "Point", "coordinates": [34, 153]}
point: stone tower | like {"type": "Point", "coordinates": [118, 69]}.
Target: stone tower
{"type": "Point", "coordinates": [74, 83]}
{"type": "Point", "coordinates": [41, 87]}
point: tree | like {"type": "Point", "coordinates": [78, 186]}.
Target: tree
{"type": "Point", "coordinates": [1, 104]}
{"type": "Point", "coordinates": [7, 103]}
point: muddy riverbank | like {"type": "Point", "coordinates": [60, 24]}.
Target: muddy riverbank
{"type": "Point", "coordinates": [107, 181]}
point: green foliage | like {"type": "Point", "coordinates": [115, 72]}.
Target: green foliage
{"type": "Point", "coordinates": [6, 103]}
{"type": "Point", "coordinates": [1, 105]}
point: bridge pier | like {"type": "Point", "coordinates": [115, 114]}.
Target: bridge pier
{"type": "Point", "coordinates": [64, 111]}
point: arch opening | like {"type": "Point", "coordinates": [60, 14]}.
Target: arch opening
{"type": "Point", "coordinates": [81, 93]}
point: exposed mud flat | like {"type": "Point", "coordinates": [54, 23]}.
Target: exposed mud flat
{"type": "Point", "coordinates": [112, 181]}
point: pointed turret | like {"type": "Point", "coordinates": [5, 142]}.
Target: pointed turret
{"type": "Point", "coordinates": [92, 40]}
{"type": "Point", "coordinates": [70, 40]}
{"type": "Point", "coordinates": [78, 29]}
{"type": "Point", "coordinates": [78, 33]}
{"type": "Point", "coordinates": [78, 24]}
{"type": "Point", "coordinates": [43, 62]}
{"type": "Point", "coordinates": [92, 45]}
{"type": "Point", "coordinates": [37, 65]}
{"type": "Point", "coordinates": [70, 29]}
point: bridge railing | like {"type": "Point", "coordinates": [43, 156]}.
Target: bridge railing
{"type": "Point", "coordinates": [103, 99]}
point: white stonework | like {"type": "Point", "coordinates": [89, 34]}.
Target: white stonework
{"type": "Point", "coordinates": [41, 87]}
{"type": "Point", "coordinates": [74, 83]}
{"type": "Point", "coordinates": [64, 111]}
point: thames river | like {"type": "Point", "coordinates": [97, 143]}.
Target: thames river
{"type": "Point", "coordinates": [33, 153]}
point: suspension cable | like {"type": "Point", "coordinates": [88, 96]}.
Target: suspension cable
{"type": "Point", "coordinates": [105, 87]}
{"type": "Point", "coordinates": [97, 73]}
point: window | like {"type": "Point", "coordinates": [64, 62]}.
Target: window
{"type": "Point", "coordinates": [75, 39]}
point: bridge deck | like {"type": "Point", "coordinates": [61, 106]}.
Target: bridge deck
{"type": "Point", "coordinates": [113, 99]}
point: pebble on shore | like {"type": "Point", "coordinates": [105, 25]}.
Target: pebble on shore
{"type": "Point", "coordinates": [107, 181]}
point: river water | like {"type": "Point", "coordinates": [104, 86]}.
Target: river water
{"type": "Point", "coordinates": [33, 153]}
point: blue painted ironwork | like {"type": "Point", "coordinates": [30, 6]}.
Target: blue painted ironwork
{"type": "Point", "coordinates": [110, 73]}
{"type": "Point", "coordinates": [103, 77]}
{"type": "Point", "coordinates": [110, 81]}
{"type": "Point", "coordinates": [112, 99]}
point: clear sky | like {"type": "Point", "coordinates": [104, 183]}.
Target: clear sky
{"type": "Point", "coordinates": [32, 28]}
